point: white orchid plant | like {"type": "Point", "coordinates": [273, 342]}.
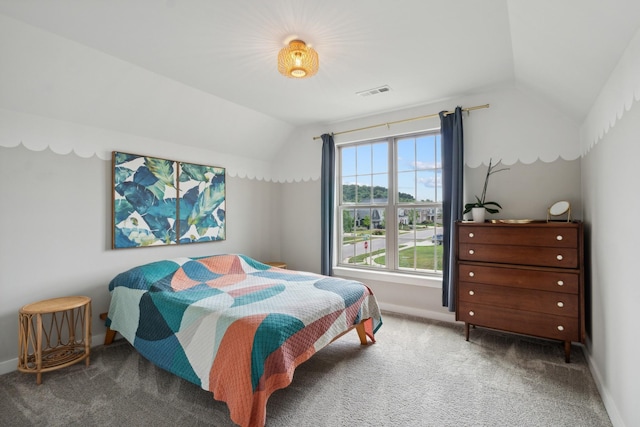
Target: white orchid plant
{"type": "Point", "coordinates": [491, 207]}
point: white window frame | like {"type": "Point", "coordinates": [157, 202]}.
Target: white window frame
{"type": "Point", "coordinates": [391, 272]}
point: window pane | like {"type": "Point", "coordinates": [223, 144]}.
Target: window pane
{"type": "Point", "coordinates": [427, 183]}
{"type": "Point", "coordinates": [406, 187]}
{"type": "Point", "coordinates": [406, 154]}
{"type": "Point", "coordinates": [348, 189]}
{"type": "Point", "coordinates": [348, 222]}
{"type": "Point", "coordinates": [380, 158]}
{"type": "Point", "coordinates": [363, 189]}
{"type": "Point", "coordinates": [426, 153]}
{"type": "Point", "coordinates": [348, 233]}
{"type": "Point", "coordinates": [363, 159]}
{"type": "Point", "coordinates": [380, 188]}
{"type": "Point", "coordinates": [419, 239]}
{"type": "Point", "coordinates": [348, 161]}
{"type": "Point", "coordinates": [364, 237]}
{"type": "Point", "coordinates": [438, 187]}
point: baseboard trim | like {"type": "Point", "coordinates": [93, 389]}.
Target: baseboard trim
{"type": "Point", "coordinates": [607, 400]}
{"type": "Point", "coordinates": [8, 366]}
{"type": "Point", "coordinates": [411, 311]}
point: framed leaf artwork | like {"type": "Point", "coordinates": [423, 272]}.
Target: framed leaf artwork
{"type": "Point", "coordinates": [160, 202]}
{"type": "Point", "coordinates": [201, 210]}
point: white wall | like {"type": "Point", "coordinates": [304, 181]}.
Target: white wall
{"type": "Point", "coordinates": [55, 220]}
{"type": "Point", "coordinates": [610, 139]}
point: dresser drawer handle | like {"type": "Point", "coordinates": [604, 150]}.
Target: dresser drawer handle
{"type": "Point", "coordinates": [470, 234]}
{"type": "Point", "coordinates": [560, 328]}
{"type": "Point", "coordinates": [471, 252]}
{"type": "Point", "coordinates": [560, 283]}
{"type": "Point", "coordinates": [471, 313]}
{"type": "Point", "coordinates": [471, 293]}
{"type": "Point", "coordinates": [559, 237]}
{"type": "Point", "coordinates": [560, 304]}
{"type": "Point", "coordinates": [471, 274]}
{"type": "Point", "coordinates": [559, 257]}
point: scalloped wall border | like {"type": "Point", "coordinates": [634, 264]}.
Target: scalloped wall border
{"type": "Point", "coordinates": [106, 156]}
{"type": "Point", "coordinates": [37, 133]}
{"type": "Point", "coordinates": [619, 95]}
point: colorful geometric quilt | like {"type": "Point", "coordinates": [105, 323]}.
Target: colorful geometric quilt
{"type": "Point", "coordinates": [233, 325]}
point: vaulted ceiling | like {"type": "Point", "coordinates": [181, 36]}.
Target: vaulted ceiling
{"type": "Point", "coordinates": [211, 64]}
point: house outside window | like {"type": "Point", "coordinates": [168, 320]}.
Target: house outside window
{"type": "Point", "coordinates": [390, 204]}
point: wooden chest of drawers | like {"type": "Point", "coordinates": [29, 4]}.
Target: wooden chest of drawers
{"type": "Point", "coordinates": [522, 278]}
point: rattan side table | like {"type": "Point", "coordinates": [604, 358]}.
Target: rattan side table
{"type": "Point", "coordinates": [53, 334]}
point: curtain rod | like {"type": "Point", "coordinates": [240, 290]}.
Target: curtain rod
{"type": "Point", "coordinates": [477, 107]}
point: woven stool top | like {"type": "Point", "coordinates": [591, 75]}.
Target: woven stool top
{"type": "Point", "coordinates": [55, 304]}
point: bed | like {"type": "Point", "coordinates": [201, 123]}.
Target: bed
{"type": "Point", "coordinates": [233, 325]}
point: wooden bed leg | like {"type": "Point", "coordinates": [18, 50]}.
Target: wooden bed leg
{"type": "Point", "coordinates": [110, 335]}
{"type": "Point", "coordinates": [361, 333]}
{"type": "Point", "coordinates": [567, 351]}
{"type": "Point", "coordinates": [361, 330]}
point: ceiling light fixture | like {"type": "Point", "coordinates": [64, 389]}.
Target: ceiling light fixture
{"type": "Point", "coordinates": [298, 60]}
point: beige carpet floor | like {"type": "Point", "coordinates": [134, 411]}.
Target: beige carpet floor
{"type": "Point", "coordinates": [419, 373]}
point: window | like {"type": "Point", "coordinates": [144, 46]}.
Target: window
{"type": "Point", "coordinates": [398, 230]}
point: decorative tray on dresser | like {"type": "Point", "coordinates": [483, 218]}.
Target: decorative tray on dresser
{"type": "Point", "coordinates": [525, 277]}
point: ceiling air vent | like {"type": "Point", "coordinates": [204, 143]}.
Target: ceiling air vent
{"type": "Point", "coordinates": [374, 91]}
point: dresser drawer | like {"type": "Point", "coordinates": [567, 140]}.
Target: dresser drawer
{"type": "Point", "coordinates": [520, 299]}
{"type": "Point", "coordinates": [525, 255]}
{"type": "Point", "coordinates": [544, 280]}
{"type": "Point", "coordinates": [526, 278]}
{"type": "Point", "coordinates": [522, 322]}
{"type": "Point", "coordinates": [518, 235]}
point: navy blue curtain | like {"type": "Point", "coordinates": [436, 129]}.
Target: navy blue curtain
{"type": "Point", "coordinates": [327, 183]}
{"type": "Point", "coordinates": [452, 207]}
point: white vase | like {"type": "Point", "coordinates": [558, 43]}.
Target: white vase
{"type": "Point", "coordinates": [478, 214]}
